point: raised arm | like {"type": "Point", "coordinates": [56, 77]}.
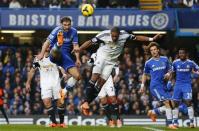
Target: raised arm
{"type": "Point", "coordinates": [145, 38]}
{"type": "Point", "coordinates": [45, 45]}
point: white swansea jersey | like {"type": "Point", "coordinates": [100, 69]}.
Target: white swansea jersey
{"type": "Point", "coordinates": [49, 73]}
{"type": "Point", "coordinates": [109, 49]}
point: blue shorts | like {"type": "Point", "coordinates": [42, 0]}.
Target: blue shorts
{"type": "Point", "coordinates": [182, 92]}
{"type": "Point", "coordinates": [65, 61]}
{"type": "Point", "coordinates": [160, 92]}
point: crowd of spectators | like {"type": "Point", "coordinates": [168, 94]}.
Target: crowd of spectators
{"type": "Point", "coordinates": [67, 3]}
{"type": "Point", "coordinates": [57, 4]}
{"type": "Point", "coordinates": [15, 64]}
{"type": "Point", "coordinates": [181, 3]}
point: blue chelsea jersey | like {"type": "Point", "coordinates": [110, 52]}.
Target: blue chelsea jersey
{"type": "Point", "coordinates": [70, 38]}
{"type": "Point", "coordinates": [157, 68]}
{"type": "Point", "coordinates": [183, 70]}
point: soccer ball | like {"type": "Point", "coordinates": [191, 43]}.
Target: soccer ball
{"type": "Point", "coordinates": [87, 10]}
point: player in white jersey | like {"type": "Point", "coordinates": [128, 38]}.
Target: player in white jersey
{"type": "Point", "coordinates": [107, 95]}
{"type": "Point", "coordinates": [50, 88]}
{"type": "Point", "coordinates": [111, 46]}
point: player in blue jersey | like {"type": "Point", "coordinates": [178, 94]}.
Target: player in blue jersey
{"type": "Point", "coordinates": [62, 40]}
{"type": "Point", "coordinates": [183, 68]}
{"type": "Point", "coordinates": [159, 69]}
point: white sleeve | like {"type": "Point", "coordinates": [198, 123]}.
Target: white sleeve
{"type": "Point", "coordinates": [117, 70]}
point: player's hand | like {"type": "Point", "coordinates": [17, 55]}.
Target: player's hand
{"type": "Point", "coordinates": [167, 76]}
{"type": "Point", "coordinates": [28, 89]}
{"type": "Point", "coordinates": [39, 56]}
{"type": "Point", "coordinates": [78, 63]}
{"type": "Point", "coordinates": [156, 37]}
{"type": "Point", "coordinates": [76, 50]}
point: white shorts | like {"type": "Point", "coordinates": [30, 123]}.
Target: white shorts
{"type": "Point", "coordinates": [103, 67]}
{"type": "Point", "coordinates": [50, 90]}
{"type": "Point", "coordinates": [108, 89]}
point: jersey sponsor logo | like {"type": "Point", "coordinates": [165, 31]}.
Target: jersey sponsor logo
{"type": "Point", "coordinates": [159, 68]}
{"type": "Point", "coordinates": [183, 70]}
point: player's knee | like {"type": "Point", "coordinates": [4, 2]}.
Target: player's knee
{"type": "Point", "coordinates": [47, 104]}
{"type": "Point", "coordinates": [78, 77]}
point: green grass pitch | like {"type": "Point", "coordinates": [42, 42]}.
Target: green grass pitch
{"type": "Point", "coordinates": [87, 128]}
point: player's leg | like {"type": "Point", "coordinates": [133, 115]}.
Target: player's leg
{"type": "Point", "coordinates": [105, 107]}
{"type": "Point", "coordinates": [164, 97]}
{"type": "Point", "coordinates": [176, 98]}
{"type": "Point", "coordinates": [91, 91]}
{"type": "Point", "coordinates": [50, 110]}
{"type": "Point", "coordinates": [90, 94]}
{"type": "Point", "coordinates": [46, 95]}
{"type": "Point", "coordinates": [60, 104]}
{"type": "Point", "coordinates": [110, 90]}
{"type": "Point", "coordinates": [69, 66]}
{"type": "Point", "coordinates": [4, 114]}
{"type": "Point", "coordinates": [61, 112]}
{"type": "Point", "coordinates": [187, 97]}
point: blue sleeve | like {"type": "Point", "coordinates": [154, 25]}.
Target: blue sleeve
{"type": "Point", "coordinates": [53, 36]}
{"type": "Point", "coordinates": [195, 66]}
{"type": "Point", "coordinates": [75, 37]}
{"type": "Point", "coordinates": [173, 67]}
{"type": "Point", "coordinates": [169, 68]}
{"type": "Point", "coordinates": [146, 68]}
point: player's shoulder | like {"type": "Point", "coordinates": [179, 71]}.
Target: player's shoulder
{"type": "Point", "coordinates": [164, 57]}
{"type": "Point", "coordinates": [56, 29]}
{"type": "Point", "coordinates": [148, 61]}
{"type": "Point", "coordinates": [123, 32]}
{"type": "Point", "coordinates": [176, 61]}
{"type": "Point", "coordinates": [104, 33]}
{"type": "Point", "coordinates": [190, 61]}
{"type": "Point", "coordinates": [73, 29]}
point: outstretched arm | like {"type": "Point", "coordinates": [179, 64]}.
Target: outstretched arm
{"type": "Point", "coordinates": [46, 44]}
{"type": "Point", "coordinates": [84, 46]}
{"type": "Point", "coordinates": [145, 38]}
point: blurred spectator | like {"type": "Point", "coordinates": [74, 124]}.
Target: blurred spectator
{"type": "Point", "coordinates": [15, 4]}
{"type": "Point", "coordinates": [8, 68]}
{"type": "Point", "coordinates": [54, 4]}
{"type": "Point", "coordinates": [69, 4]}
{"type": "Point", "coordinates": [4, 3]}
{"type": "Point", "coordinates": [33, 4]}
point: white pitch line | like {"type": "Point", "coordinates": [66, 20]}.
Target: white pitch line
{"type": "Point", "coordinates": [152, 129]}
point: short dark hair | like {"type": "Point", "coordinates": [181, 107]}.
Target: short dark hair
{"type": "Point", "coordinates": [65, 19]}
{"type": "Point", "coordinates": [115, 29]}
{"type": "Point", "coordinates": [182, 48]}
{"type": "Point", "coordinates": [153, 44]}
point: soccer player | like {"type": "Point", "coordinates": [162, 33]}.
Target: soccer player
{"type": "Point", "coordinates": [183, 68]}
{"type": "Point", "coordinates": [61, 41]}
{"type": "Point", "coordinates": [107, 94]}
{"type": "Point", "coordinates": [1, 105]}
{"type": "Point", "coordinates": [50, 87]}
{"type": "Point", "coordinates": [111, 46]}
{"type": "Point", "coordinates": [159, 69]}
